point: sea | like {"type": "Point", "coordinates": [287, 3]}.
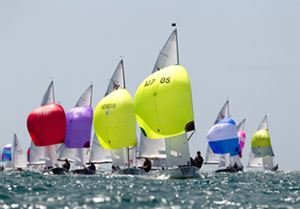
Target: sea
{"type": "Point", "coordinates": [250, 189]}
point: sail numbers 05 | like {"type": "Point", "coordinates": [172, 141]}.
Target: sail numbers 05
{"type": "Point", "coordinates": [162, 81]}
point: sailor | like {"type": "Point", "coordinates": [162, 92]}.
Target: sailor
{"type": "Point", "coordinates": [198, 161]}
{"type": "Point", "coordinates": [147, 165]}
{"type": "Point", "coordinates": [92, 167]}
{"type": "Point", "coordinates": [114, 168]}
{"type": "Point", "coordinates": [191, 162]}
{"type": "Point", "coordinates": [66, 165]}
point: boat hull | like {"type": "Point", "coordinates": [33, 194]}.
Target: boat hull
{"type": "Point", "coordinates": [84, 171]}
{"type": "Point", "coordinates": [56, 171]}
{"type": "Point", "coordinates": [129, 171]}
{"type": "Point", "coordinates": [183, 172]}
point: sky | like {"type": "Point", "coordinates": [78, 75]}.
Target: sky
{"type": "Point", "coordinates": [245, 51]}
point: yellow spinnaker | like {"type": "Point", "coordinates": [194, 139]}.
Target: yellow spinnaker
{"type": "Point", "coordinates": [114, 120]}
{"type": "Point", "coordinates": [163, 103]}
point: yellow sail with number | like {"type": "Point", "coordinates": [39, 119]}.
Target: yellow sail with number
{"type": "Point", "coordinates": [163, 103]}
{"type": "Point", "coordinates": [114, 120]}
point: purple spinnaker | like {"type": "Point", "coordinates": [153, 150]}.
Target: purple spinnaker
{"type": "Point", "coordinates": [79, 127]}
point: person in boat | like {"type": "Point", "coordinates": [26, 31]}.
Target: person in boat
{"type": "Point", "coordinates": [66, 165]}
{"type": "Point", "coordinates": [198, 161]}
{"type": "Point", "coordinates": [147, 165]}
{"type": "Point", "coordinates": [114, 168]}
{"type": "Point", "coordinates": [192, 161]}
{"type": "Point", "coordinates": [92, 167]}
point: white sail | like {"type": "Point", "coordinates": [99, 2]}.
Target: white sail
{"type": "Point", "coordinates": [18, 155]}
{"type": "Point", "coordinates": [152, 149]}
{"type": "Point", "coordinates": [50, 156]}
{"type": "Point", "coordinates": [255, 162]}
{"type": "Point", "coordinates": [48, 97]}
{"type": "Point", "coordinates": [118, 80]}
{"type": "Point", "coordinates": [169, 54]}
{"type": "Point", "coordinates": [212, 158]}
{"type": "Point", "coordinates": [98, 154]}
{"type": "Point", "coordinates": [268, 162]}
{"type": "Point", "coordinates": [224, 160]}
{"type": "Point", "coordinates": [36, 155]}
{"type": "Point", "coordinates": [263, 124]}
{"type": "Point", "coordinates": [120, 157]}
{"type": "Point", "coordinates": [241, 125]}
{"type": "Point", "coordinates": [86, 98]}
{"type": "Point", "coordinates": [177, 150]}
{"type": "Point", "coordinates": [224, 112]}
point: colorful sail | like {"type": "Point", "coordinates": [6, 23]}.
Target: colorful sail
{"type": "Point", "coordinates": [114, 120]}
{"type": "Point", "coordinates": [79, 127]}
{"type": "Point", "coordinates": [211, 157]}
{"type": "Point", "coordinates": [98, 154]}
{"type": "Point", "coordinates": [223, 138]}
{"type": "Point", "coordinates": [163, 103]}
{"type": "Point", "coordinates": [47, 125]}
{"type": "Point", "coordinates": [18, 154]}
{"type": "Point", "coordinates": [7, 153]}
{"type": "Point", "coordinates": [169, 54]}
{"type": "Point", "coordinates": [242, 135]}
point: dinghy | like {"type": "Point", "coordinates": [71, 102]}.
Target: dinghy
{"type": "Point", "coordinates": [261, 154]}
{"type": "Point", "coordinates": [47, 128]}
{"type": "Point", "coordinates": [13, 156]}
{"type": "Point", "coordinates": [115, 124]}
{"type": "Point", "coordinates": [79, 127]}
{"type": "Point", "coordinates": [223, 140]}
{"type": "Point", "coordinates": [6, 157]}
{"type": "Point", "coordinates": [163, 107]}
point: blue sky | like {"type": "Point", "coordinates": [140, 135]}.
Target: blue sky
{"type": "Point", "coordinates": [245, 51]}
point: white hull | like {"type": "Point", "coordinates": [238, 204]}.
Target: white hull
{"type": "Point", "coordinates": [183, 172]}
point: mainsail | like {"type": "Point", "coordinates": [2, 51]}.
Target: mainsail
{"type": "Point", "coordinates": [169, 54]}
{"type": "Point", "coordinates": [98, 154]}
{"type": "Point", "coordinates": [18, 154]}
{"type": "Point", "coordinates": [47, 126]}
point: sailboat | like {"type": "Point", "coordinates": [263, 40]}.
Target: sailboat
{"type": "Point", "coordinates": [211, 157]}
{"type": "Point", "coordinates": [13, 156]}
{"type": "Point", "coordinates": [163, 107]}
{"type": "Point", "coordinates": [79, 128]}
{"type": "Point", "coordinates": [47, 128]}
{"type": "Point", "coordinates": [223, 140]}
{"type": "Point", "coordinates": [6, 157]}
{"type": "Point", "coordinates": [115, 124]}
{"type": "Point", "coordinates": [261, 154]}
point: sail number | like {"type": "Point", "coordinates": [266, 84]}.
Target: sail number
{"type": "Point", "coordinates": [109, 106]}
{"type": "Point", "coordinates": [162, 81]}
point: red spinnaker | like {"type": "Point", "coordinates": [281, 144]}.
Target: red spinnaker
{"type": "Point", "coordinates": [47, 125]}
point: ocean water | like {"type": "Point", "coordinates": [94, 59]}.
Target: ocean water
{"type": "Point", "coordinates": [210, 190]}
